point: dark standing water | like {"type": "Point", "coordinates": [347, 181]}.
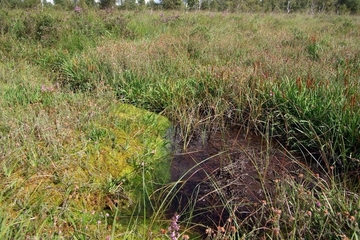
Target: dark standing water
{"type": "Point", "coordinates": [229, 175]}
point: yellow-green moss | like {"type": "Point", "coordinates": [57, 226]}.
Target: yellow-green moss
{"type": "Point", "coordinates": [119, 144]}
{"type": "Point", "coordinates": [106, 169]}
{"type": "Point", "coordinates": [129, 136]}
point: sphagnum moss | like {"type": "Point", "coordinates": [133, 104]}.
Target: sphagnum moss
{"type": "Point", "coordinates": [96, 175]}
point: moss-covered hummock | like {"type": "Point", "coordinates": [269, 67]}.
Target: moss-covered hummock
{"type": "Point", "coordinates": [116, 154]}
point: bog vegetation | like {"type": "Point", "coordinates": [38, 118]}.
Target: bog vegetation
{"type": "Point", "coordinates": [88, 98]}
{"type": "Point", "coordinates": [277, 6]}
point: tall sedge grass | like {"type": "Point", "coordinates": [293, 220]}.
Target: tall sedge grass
{"type": "Point", "coordinates": [314, 115]}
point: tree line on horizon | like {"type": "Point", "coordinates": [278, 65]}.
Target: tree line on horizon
{"type": "Point", "coordinates": [277, 6]}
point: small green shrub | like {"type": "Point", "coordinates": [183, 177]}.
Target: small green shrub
{"type": "Point", "coordinates": [46, 30]}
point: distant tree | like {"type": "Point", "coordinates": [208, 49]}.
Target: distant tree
{"type": "Point", "coordinates": [205, 4]}
{"type": "Point", "coordinates": [214, 5]}
{"type": "Point", "coordinates": [19, 3]}
{"type": "Point", "coordinates": [128, 4]}
{"type": "Point", "coordinates": [299, 5]}
{"type": "Point", "coordinates": [64, 3]}
{"type": "Point", "coordinates": [191, 4]}
{"type": "Point", "coordinates": [172, 4]}
{"type": "Point", "coordinates": [275, 5]}
{"type": "Point", "coordinates": [90, 3]}
{"type": "Point", "coordinates": [107, 3]}
{"type": "Point", "coordinates": [352, 5]}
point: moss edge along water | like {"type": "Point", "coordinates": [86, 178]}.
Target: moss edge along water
{"type": "Point", "coordinates": [122, 151]}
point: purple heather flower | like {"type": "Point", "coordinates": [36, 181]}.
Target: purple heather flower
{"type": "Point", "coordinates": [77, 9]}
{"type": "Point", "coordinates": [47, 89]}
{"type": "Point", "coordinates": [174, 227]}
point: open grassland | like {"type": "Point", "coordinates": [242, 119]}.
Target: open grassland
{"type": "Point", "coordinates": [78, 162]}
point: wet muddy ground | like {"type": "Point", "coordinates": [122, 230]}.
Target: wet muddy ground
{"type": "Point", "coordinates": [229, 175]}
